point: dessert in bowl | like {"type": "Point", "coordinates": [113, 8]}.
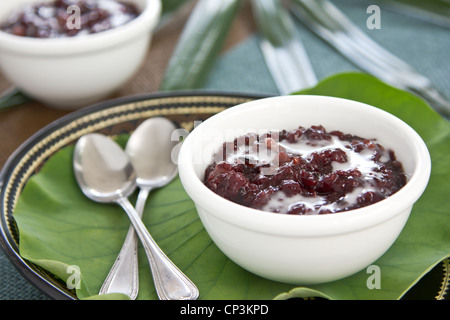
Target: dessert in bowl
{"type": "Point", "coordinates": [79, 67]}
{"type": "Point", "coordinates": [319, 244]}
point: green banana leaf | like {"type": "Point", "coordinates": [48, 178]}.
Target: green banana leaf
{"type": "Point", "coordinates": [273, 21]}
{"type": "Point", "coordinates": [13, 97]}
{"type": "Point", "coordinates": [172, 5]}
{"type": "Point", "coordinates": [199, 44]}
{"type": "Point", "coordinates": [59, 227]}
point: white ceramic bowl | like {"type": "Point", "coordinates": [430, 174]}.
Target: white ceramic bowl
{"type": "Point", "coordinates": [303, 249]}
{"type": "Point", "coordinates": [73, 72]}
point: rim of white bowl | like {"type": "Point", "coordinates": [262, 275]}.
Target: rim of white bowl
{"type": "Point", "coordinates": [308, 225]}
{"type": "Point", "coordinates": [144, 23]}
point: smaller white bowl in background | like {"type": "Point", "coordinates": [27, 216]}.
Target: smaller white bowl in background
{"type": "Point", "coordinates": [69, 73]}
{"type": "Point", "coordinates": [303, 249]}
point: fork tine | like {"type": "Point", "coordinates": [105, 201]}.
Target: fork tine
{"type": "Point", "coordinates": [373, 52]}
{"type": "Point", "coordinates": [368, 58]}
{"type": "Point", "coordinates": [282, 47]}
{"type": "Point", "coordinates": [363, 40]}
{"type": "Point", "coordinates": [328, 22]}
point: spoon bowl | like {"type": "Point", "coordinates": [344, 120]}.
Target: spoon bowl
{"type": "Point", "coordinates": [150, 151]}
{"type": "Point", "coordinates": [97, 157]}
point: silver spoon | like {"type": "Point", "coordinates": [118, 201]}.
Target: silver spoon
{"type": "Point", "coordinates": [106, 175]}
{"type": "Point", "coordinates": [149, 150]}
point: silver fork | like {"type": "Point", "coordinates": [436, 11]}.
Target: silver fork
{"type": "Point", "coordinates": [283, 50]}
{"type": "Point", "coordinates": [328, 22]}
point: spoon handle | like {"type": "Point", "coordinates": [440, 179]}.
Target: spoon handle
{"type": "Point", "coordinates": [170, 282]}
{"type": "Point", "coordinates": [124, 274]}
